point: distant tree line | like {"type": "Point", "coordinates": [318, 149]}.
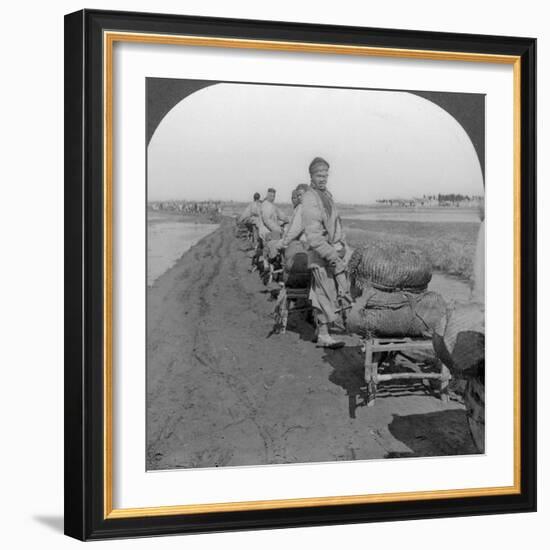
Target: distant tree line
{"type": "Point", "coordinates": [188, 207]}
{"type": "Point", "coordinates": [452, 197]}
{"type": "Point", "coordinates": [441, 199]}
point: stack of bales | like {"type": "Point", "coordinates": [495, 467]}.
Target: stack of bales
{"type": "Point", "coordinates": [390, 285]}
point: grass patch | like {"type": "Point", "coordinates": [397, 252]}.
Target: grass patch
{"type": "Point", "coordinates": [450, 246]}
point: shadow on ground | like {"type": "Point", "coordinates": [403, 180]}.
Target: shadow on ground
{"type": "Point", "coordinates": [301, 324]}
{"type": "Point", "coordinates": [439, 433]}
{"type": "Point", "coordinates": [348, 373]}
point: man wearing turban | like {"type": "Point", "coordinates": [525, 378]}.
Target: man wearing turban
{"type": "Point", "coordinates": [327, 248]}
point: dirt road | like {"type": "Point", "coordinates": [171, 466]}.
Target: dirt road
{"type": "Point", "coordinates": [220, 392]}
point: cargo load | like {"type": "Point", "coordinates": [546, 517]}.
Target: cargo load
{"type": "Point", "coordinates": [460, 338]}
{"type": "Point", "coordinates": [389, 266]}
{"type": "Point", "coordinates": [396, 314]}
{"type": "Point", "coordinates": [459, 342]}
{"type": "Point", "coordinates": [296, 273]}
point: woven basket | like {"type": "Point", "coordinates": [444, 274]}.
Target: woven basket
{"type": "Point", "coordinates": [389, 266]}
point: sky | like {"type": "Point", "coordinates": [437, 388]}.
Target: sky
{"type": "Point", "coordinates": [227, 141]}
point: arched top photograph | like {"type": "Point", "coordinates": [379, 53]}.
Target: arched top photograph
{"type": "Point", "coordinates": [323, 236]}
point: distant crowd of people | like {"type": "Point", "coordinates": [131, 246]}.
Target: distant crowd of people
{"type": "Point", "coordinates": [316, 224]}
{"type": "Point", "coordinates": [188, 207]}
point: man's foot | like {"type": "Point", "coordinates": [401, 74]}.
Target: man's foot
{"type": "Point", "coordinates": [327, 341]}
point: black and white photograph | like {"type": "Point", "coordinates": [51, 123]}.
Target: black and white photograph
{"type": "Point", "coordinates": [315, 274]}
{"type": "Point", "coordinates": [271, 275]}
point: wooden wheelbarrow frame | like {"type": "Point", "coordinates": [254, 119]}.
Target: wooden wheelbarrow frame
{"type": "Point", "coordinates": [385, 346]}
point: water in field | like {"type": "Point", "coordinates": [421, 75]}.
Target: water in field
{"type": "Point", "coordinates": [168, 239]}
{"type": "Point", "coordinates": [450, 215]}
{"type": "Point", "coordinates": [451, 288]}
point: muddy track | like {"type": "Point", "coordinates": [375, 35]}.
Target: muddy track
{"type": "Point", "coordinates": [220, 392]}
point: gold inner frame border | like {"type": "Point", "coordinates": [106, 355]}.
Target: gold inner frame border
{"type": "Point", "coordinates": [109, 39]}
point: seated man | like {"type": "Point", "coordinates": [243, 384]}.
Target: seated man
{"type": "Point", "coordinates": [327, 247]}
{"type": "Point", "coordinates": [251, 215]}
{"type": "Point", "coordinates": [294, 231]}
{"type": "Point", "coordinates": [272, 218]}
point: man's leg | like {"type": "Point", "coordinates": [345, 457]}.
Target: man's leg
{"type": "Point", "coordinates": [255, 234]}
{"type": "Point", "coordinates": [343, 290]}
{"type": "Point", "coordinates": [323, 300]}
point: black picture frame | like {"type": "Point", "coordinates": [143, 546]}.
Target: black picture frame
{"type": "Point", "coordinates": [85, 517]}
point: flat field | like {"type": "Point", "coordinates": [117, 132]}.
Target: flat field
{"type": "Point", "coordinates": [447, 235]}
